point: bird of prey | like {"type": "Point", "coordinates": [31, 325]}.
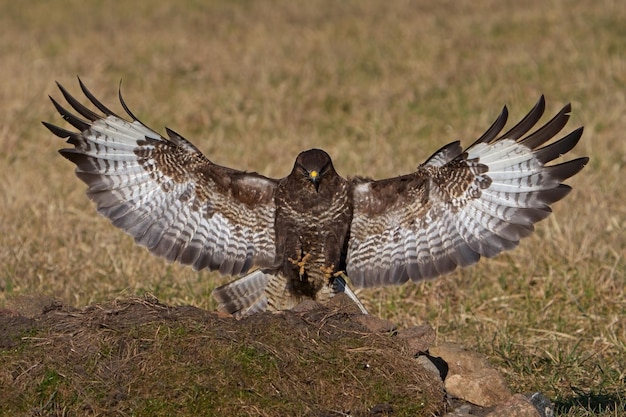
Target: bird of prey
{"type": "Point", "coordinates": [298, 237]}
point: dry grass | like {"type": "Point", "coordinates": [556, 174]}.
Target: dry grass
{"type": "Point", "coordinates": [142, 358]}
{"type": "Point", "coordinates": [380, 86]}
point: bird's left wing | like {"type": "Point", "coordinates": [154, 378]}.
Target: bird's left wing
{"type": "Point", "coordinates": [459, 205]}
{"type": "Point", "coordinates": [166, 194]}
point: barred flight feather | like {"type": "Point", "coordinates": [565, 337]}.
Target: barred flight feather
{"type": "Point", "coordinates": [293, 238]}
{"type": "Point", "coordinates": [160, 191]}
{"type": "Point", "coordinates": [482, 214]}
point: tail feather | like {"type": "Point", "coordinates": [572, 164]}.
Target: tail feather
{"type": "Point", "coordinates": [262, 291]}
{"type": "Point", "coordinates": [256, 292]}
{"type": "Point", "coordinates": [244, 296]}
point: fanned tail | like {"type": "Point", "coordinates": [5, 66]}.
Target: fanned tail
{"type": "Point", "coordinates": [244, 296]}
{"type": "Point", "coordinates": [263, 291]}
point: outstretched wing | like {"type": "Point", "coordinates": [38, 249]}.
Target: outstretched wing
{"type": "Point", "coordinates": [166, 194]}
{"type": "Point", "coordinates": [459, 205]}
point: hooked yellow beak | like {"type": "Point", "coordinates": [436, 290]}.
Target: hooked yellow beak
{"type": "Point", "coordinates": [314, 177]}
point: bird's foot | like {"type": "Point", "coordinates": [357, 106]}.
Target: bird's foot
{"type": "Point", "coordinates": [301, 262]}
{"type": "Point", "coordinates": [329, 272]}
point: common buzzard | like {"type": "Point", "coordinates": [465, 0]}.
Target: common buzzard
{"type": "Point", "coordinates": [297, 237]}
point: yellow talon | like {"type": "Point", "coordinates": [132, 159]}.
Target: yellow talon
{"type": "Point", "coordinates": [301, 263]}
{"type": "Point", "coordinates": [329, 272]}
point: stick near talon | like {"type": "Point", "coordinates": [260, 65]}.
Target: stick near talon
{"type": "Point", "coordinates": [339, 285]}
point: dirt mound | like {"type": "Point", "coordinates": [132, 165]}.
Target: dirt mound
{"type": "Point", "coordinates": [141, 357]}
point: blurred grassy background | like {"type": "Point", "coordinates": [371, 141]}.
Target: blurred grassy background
{"type": "Point", "coordinates": [379, 85]}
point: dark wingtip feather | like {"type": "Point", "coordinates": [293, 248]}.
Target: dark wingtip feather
{"type": "Point", "coordinates": [495, 128]}
{"type": "Point", "coordinates": [72, 119]}
{"type": "Point", "coordinates": [528, 121]}
{"type": "Point", "coordinates": [126, 109]}
{"type": "Point", "coordinates": [84, 164]}
{"type": "Point", "coordinates": [567, 169]}
{"type": "Point", "coordinates": [548, 197]}
{"type": "Point", "coordinates": [560, 147]}
{"type": "Point", "coordinates": [76, 105]}
{"type": "Point", "coordinates": [104, 109]}
{"type": "Point", "coordinates": [549, 130]}
{"type": "Point", "coordinates": [72, 154]}
{"type": "Point", "coordinates": [60, 132]}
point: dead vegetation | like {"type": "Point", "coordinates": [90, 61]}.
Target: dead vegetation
{"type": "Point", "coordinates": [141, 357]}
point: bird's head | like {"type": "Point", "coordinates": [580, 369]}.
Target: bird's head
{"type": "Point", "coordinates": [312, 166]}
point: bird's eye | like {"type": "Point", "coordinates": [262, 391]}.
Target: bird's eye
{"type": "Point", "coordinates": [303, 170]}
{"type": "Point", "coordinates": [324, 169]}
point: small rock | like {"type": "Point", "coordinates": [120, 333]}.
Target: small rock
{"type": "Point", "coordinates": [462, 411]}
{"type": "Point", "coordinates": [542, 403]}
{"type": "Point", "coordinates": [470, 377]}
{"type": "Point", "coordinates": [428, 365]}
{"type": "Point", "coordinates": [418, 339]}
{"type": "Point", "coordinates": [460, 408]}
{"type": "Point", "coordinates": [517, 406]}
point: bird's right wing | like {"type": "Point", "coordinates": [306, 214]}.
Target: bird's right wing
{"type": "Point", "coordinates": [166, 194]}
{"type": "Point", "coordinates": [459, 205]}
